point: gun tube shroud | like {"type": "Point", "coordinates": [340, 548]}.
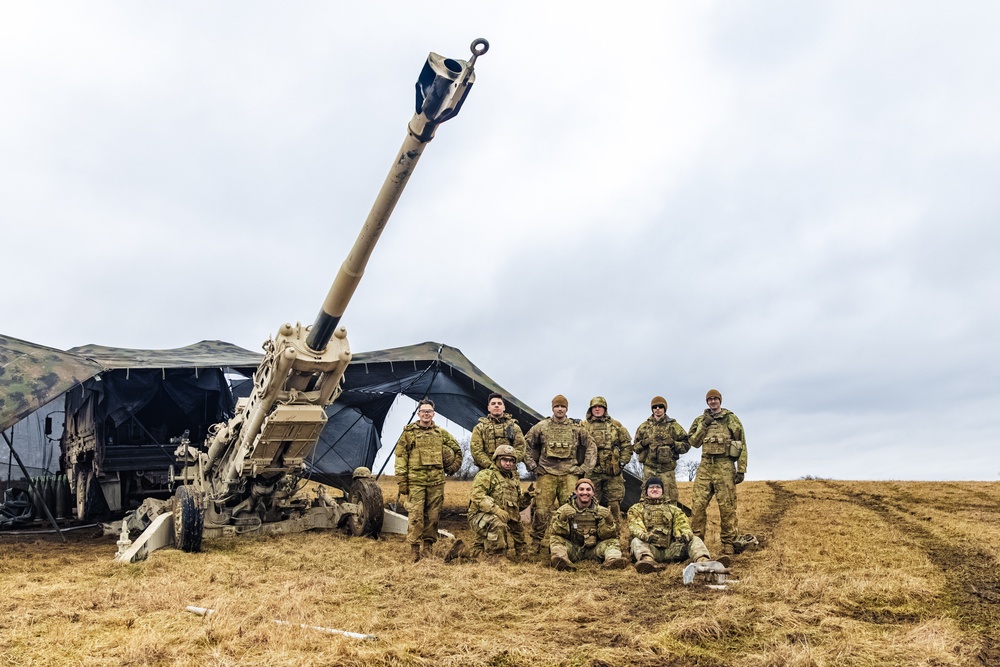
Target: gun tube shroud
{"type": "Point", "coordinates": [442, 87]}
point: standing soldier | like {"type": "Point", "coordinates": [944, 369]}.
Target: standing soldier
{"type": "Point", "coordinates": [559, 452]}
{"type": "Point", "coordinates": [659, 442]}
{"type": "Point", "coordinates": [583, 530]}
{"type": "Point", "coordinates": [659, 532]}
{"type": "Point", "coordinates": [614, 450]}
{"type": "Point", "coordinates": [495, 507]}
{"type": "Point", "coordinates": [723, 464]}
{"type": "Point", "coordinates": [420, 471]}
{"type": "Point", "coordinates": [495, 429]}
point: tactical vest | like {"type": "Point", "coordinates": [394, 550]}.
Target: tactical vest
{"type": "Point", "coordinates": [559, 439]}
{"type": "Point", "coordinates": [660, 442]}
{"type": "Point", "coordinates": [496, 433]}
{"type": "Point", "coordinates": [505, 492]}
{"type": "Point", "coordinates": [717, 437]}
{"type": "Point", "coordinates": [604, 434]}
{"type": "Point", "coordinates": [583, 523]}
{"type": "Point", "coordinates": [427, 446]}
{"type": "Point", "coordinates": [658, 515]}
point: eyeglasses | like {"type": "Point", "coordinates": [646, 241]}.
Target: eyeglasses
{"type": "Point", "coordinates": [426, 412]}
{"type": "Point", "coordinates": [659, 407]}
{"type": "Point", "coordinates": [713, 399]}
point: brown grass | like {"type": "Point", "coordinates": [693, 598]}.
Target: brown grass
{"type": "Point", "coordinates": [852, 573]}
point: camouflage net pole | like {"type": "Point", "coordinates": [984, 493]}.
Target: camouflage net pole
{"type": "Point", "coordinates": [48, 513]}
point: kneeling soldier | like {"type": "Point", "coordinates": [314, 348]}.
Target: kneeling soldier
{"type": "Point", "coordinates": [582, 529]}
{"type": "Point", "coordinates": [660, 532]}
{"type": "Point", "coordinates": [495, 507]}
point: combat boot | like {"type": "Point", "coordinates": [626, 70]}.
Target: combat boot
{"type": "Point", "coordinates": [533, 549]}
{"type": "Point", "coordinates": [617, 563]}
{"type": "Point", "coordinates": [562, 563]}
{"type": "Point", "coordinates": [728, 550]}
{"type": "Point", "coordinates": [647, 565]}
{"type": "Point", "coordinates": [415, 549]}
{"type": "Point", "coordinates": [456, 552]}
{"type": "Point", "coordinates": [428, 549]}
{"type": "Point", "coordinates": [725, 560]}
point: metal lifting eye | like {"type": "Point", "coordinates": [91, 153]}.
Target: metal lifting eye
{"type": "Point", "coordinates": [479, 47]}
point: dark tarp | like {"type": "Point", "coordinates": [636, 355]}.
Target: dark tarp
{"type": "Point", "coordinates": [32, 375]}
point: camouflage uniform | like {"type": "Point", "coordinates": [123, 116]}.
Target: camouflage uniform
{"type": "Point", "coordinates": [559, 453]}
{"type": "Point", "coordinates": [420, 471]}
{"type": "Point", "coordinates": [580, 533]}
{"type": "Point", "coordinates": [660, 530]}
{"type": "Point", "coordinates": [658, 445]}
{"type": "Point", "coordinates": [723, 455]}
{"type": "Point", "coordinates": [614, 449]}
{"type": "Point", "coordinates": [496, 489]}
{"type": "Point", "coordinates": [492, 432]}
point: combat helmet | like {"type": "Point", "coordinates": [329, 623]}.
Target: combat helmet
{"type": "Point", "coordinates": [505, 450]}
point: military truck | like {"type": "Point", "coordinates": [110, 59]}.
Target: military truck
{"type": "Point", "coordinates": [246, 474]}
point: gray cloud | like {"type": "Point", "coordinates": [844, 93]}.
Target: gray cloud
{"type": "Point", "coordinates": [794, 204]}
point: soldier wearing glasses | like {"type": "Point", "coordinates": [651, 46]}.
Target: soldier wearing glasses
{"type": "Point", "coordinates": [421, 455]}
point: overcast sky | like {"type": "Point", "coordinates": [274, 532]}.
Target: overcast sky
{"type": "Point", "coordinates": [795, 203]}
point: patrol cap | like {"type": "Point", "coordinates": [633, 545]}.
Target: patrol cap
{"type": "Point", "coordinates": [560, 400]}
{"type": "Point", "coordinates": [713, 392]}
{"type": "Point", "coordinates": [504, 450]}
{"type": "Point", "coordinates": [653, 481]}
{"type": "Point", "coordinates": [583, 480]}
{"type": "Point", "coordinates": [658, 400]}
{"type": "Point", "coordinates": [599, 400]}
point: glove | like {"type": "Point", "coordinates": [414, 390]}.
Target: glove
{"type": "Point", "coordinates": [687, 536]}
{"type": "Point", "coordinates": [501, 514]}
{"type": "Point", "coordinates": [738, 478]}
{"type": "Point", "coordinates": [643, 537]}
{"type": "Point", "coordinates": [576, 470]}
{"type": "Point", "coordinates": [404, 488]}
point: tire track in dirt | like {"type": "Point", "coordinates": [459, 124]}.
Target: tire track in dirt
{"type": "Point", "coordinates": [769, 520]}
{"type": "Point", "coordinates": [943, 505]}
{"type": "Point", "coordinates": [972, 576]}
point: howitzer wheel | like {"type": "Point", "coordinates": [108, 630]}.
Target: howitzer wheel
{"type": "Point", "coordinates": [189, 520]}
{"type": "Point", "coordinates": [367, 495]}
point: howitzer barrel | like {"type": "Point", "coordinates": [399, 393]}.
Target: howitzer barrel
{"type": "Point", "coordinates": [442, 87]}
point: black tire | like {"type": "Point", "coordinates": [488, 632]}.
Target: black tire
{"type": "Point", "coordinates": [367, 495]}
{"type": "Point", "coordinates": [189, 520]}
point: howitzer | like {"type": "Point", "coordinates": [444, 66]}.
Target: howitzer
{"type": "Point", "coordinates": [246, 475]}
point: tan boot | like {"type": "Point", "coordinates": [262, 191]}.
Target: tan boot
{"type": "Point", "coordinates": [428, 550]}
{"type": "Point", "coordinates": [415, 549]}
{"type": "Point", "coordinates": [647, 565]}
{"type": "Point", "coordinates": [728, 550]}
{"type": "Point", "coordinates": [456, 552]}
{"type": "Point", "coordinates": [562, 563]}
{"type": "Point", "coordinates": [725, 560]}
{"type": "Point", "coordinates": [618, 563]}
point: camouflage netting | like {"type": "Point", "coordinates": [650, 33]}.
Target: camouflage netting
{"type": "Point", "coordinates": [32, 375]}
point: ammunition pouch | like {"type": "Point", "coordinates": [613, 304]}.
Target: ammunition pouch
{"type": "Point", "coordinates": [735, 448]}
{"type": "Point", "coordinates": [590, 541]}
{"type": "Point", "coordinates": [559, 440]}
{"type": "Point", "coordinates": [643, 455]}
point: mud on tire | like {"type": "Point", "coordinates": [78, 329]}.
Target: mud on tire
{"type": "Point", "coordinates": [367, 495]}
{"type": "Point", "coordinates": [189, 520]}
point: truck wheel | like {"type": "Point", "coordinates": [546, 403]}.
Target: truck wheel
{"type": "Point", "coordinates": [367, 495]}
{"type": "Point", "coordinates": [189, 520]}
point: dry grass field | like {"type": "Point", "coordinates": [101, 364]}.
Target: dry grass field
{"type": "Point", "coordinates": [850, 574]}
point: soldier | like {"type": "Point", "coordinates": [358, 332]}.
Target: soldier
{"type": "Point", "coordinates": [614, 450]}
{"type": "Point", "coordinates": [581, 529]}
{"type": "Point", "coordinates": [495, 429]}
{"type": "Point", "coordinates": [420, 471]}
{"type": "Point", "coordinates": [559, 452]}
{"type": "Point", "coordinates": [495, 507]}
{"type": "Point", "coordinates": [659, 442]}
{"type": "Point", "coordinates": [723, 464]}
{"type": "Point", "coordinates": [659, 532]}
